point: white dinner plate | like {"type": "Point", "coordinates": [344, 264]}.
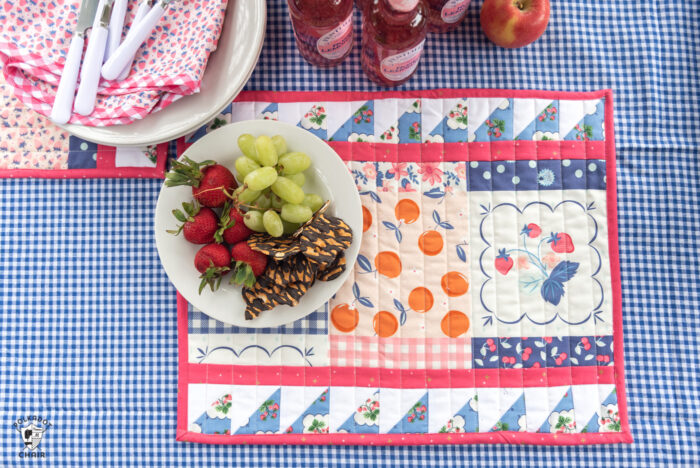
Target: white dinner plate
{"type": "Point", "coordinates": [328, 176]}
{"type": "Point", "coordinates": [228, 70]}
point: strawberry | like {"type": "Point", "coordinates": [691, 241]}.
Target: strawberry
{"type": "Point", "coordinates": [531, 230]}
{"type": "Point", "coordinates": [561, 242]}
{"type": "Point", "coordinates": [213, 261]}
{"type": "Point", "coordinates": [210, 182]}
{"type": "Point", "coordinates": [503, 262]}
{"type": "Point", "coordinates": [199, 224]}
{"type": "Point", "coordinates": [249, 264]}
{"type": "Point", "coordinates": [231, 227]}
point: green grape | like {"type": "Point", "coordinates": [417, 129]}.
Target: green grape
{"type": "Point", "coordinates": [294, 162]}
{"type": "Point", "coordinates": [246, 143]}
{"type": "Point", "coordinates": [290, 228]}
{"type": "Point", "coordinates": [244, 195]}
{"type": "Point", "coordinates": [263, 202]}
{"type": "Point", "coordinates": [280, 144]}
{"type": "Point", "coordinates": [299, 179]}
{"type": "Point", "coordinates": [273, 223]}
{"type": "Point", "coordinates": [244, 166]}
{"type": "Point", "coordinates": [276, 202]}
{"type": "Point", "coordinates": [296, 213]}
{"type": "Point", "coordinates": [254, 221]}
{"type": "Point", "coordinates": [261, 178]}
{"type": "Point", "coordinates": [267, 155]}
{"type": "Point", "coordinates": [287, 190]}
{"type": "Point", "coordinates": [313, 201]}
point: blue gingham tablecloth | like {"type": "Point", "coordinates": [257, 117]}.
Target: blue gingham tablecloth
{"type": "Point", "coordinates": [88, 323]}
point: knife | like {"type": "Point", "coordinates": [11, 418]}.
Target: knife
{"type": "Point", "coordinates": [94, 54]}
{"type": "Point", "coordinates": [126, 51]}
{"type": "Point", "coordinates": [63, 104]}
{"type": "Point", "coordinates": [116, 26]}
{"type": "Point", "coordinates": [143, 8]}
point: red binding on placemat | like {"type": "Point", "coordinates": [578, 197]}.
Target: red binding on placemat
{"type": "Point", "coordinates": [519, 378]}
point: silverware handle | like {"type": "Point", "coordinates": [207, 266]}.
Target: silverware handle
{"type": "Point", "coordinates": [126, 51]}
{"type": "Point", "coordinates": [141, 11]}
{"type": "Point", "coordinates": [116, 26]}
{"type": "Point", "coordinates": [63, 104]}
{"type": "Point", "coordinates": [90, 73]}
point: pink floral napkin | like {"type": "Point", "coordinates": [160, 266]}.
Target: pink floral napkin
{"type": "Point", "coordinates": [34, 40]}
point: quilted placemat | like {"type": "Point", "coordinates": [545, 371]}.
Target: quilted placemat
{"type": "Point", "coordinates": [484, 307]}
{"type": "Point", "coordinates": [32, 146]}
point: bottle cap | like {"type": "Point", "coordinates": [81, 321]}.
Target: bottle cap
{"type": "Point", "coordinates": [403, 5]}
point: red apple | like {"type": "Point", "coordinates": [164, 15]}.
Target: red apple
{"type": "Point", "coordinates": [514, 23]}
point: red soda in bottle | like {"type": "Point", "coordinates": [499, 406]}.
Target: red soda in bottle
{"type": "Point", "coordinates": [446, 15]}
{"type": "Point", "coordinates": [323, 30]}
{"type": "Point", "coordinates": [393, 34]}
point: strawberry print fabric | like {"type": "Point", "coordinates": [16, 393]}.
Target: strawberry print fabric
{"type": "Point", "coordinates": [484, 305]}
{"type": "Point", "coordinates": [34, 41]}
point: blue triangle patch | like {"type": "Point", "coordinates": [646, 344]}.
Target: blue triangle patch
{"type": "Point", "coordinates": [499, 125]}
{"type": "Point", "coordinates": [265, 418]}
{"type": "Point", "coordinates": [592, 425]}
{"type": "Point", "coordinates": [213, 425]}
{"type": "Point", "coordinates": [216, 420]}
{"type": "Point", "coordinates": [415, 421]}
{"type": "Point", "coordinates": [611, 399]}
{"type": "Point", "coordinates": [314, 121]}
{"type": "Point", "coordinates": [545, 126]}
{"type": "Point", "coordinates": [465, 420]}
{"type": "Point", "coordinates": [509, 421]}
{"type": "Point", "coordinates": [360, 123]}
{"type": "Point", "coordinates": [590, 127]}
{"type": "Point", "coordinates": [320, 406]}
{"type": "Point", "coordinates": [562, 417]}
{"type": "Point", "coordinates": [409, 127]}
{"type": "Point", "coordinates": [267, 112]}
{"type": "Point", "coordinates": [365, 421]}
{"type": "Point", "coordinates": [449, 134]}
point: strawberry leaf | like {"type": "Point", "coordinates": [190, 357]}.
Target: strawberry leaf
{"type": "Point", "coordinates": [191, 208]}
{"type": "Point", "coordinates": [186, 172]}
{"type": "Point", "coordinates": [225, 222]}
{"type": "Point", "coordinates": [243, 275]}
{"type": "Point", "coordinates": [175, 232]}
{"type": "Point", "coordinates": [564, 271]}
{"type": "Point", "coordinates": [180, 216]}
{"type": "Point", "coordinates": [212, 277]}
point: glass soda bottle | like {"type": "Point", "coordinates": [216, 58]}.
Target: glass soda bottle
{"type": "Point", "coordinates": [393, 34]}
{"type": "Point", "coordinates": [446, 15]}
{"type": "Point", "coordinates": [323, 30]}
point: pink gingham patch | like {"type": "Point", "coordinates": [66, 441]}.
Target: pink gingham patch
{"type": "Point", "coordinates": [169, 66]}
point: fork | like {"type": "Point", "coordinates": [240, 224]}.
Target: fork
{"type": "Point", "coordinates": [115, 65]}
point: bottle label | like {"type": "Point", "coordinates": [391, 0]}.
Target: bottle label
{"type": "Point", "coordinates": [403, 5]}
{"type": "Point", "coordinates": [454, 10]}
{"type": "Point", "coordinates": [399, 66]}
{"type": "Point", "coordinates": [336, 43]}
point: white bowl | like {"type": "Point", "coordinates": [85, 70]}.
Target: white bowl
{"type": "Point", "coordinates": [228, 70]}
{"type": "Point", "coordinates": [328, 176]}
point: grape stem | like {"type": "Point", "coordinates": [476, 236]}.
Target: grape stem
{"type": "Point", "coordinates": [239, 205]}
